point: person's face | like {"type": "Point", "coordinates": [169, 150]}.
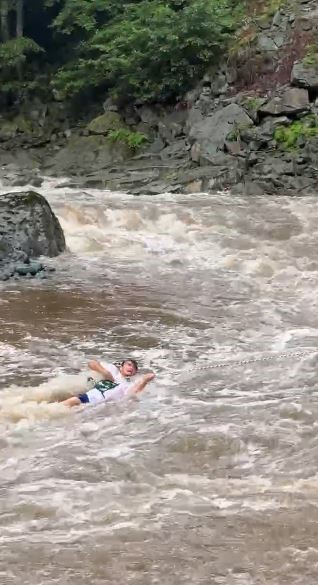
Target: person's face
{"type": "Point", "coordinates": [128, 369]}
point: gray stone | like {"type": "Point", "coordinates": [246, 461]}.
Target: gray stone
{"type": "Point", "coordinates": [194, 186]}
{"type": "Point", "coordinates": [165, 132]}
{"type": "Point", "coordinates": [22, 269]}
{"type": "Point", "coordinates": [304, 76]}
{"type": "Point", "coordinates": [177, 149]}
{"type": "Point", "coordinates": [250, 188]}
{"type": "Point", "coordinates": [28, 228]}
{"type": "Point", "coordinates": [220, 160]}
{"type": "Point", "coordinates": [292, 101]}
{"type": "Point", "coordinates": [279, 40]}
{"type": "Point", "coordinates": [41, 275]}
{"type": "Point", "coordinates": [191, 96]}
{"type": "Point", "coordinates": [277, 19]}
{"type": "Point", "coordinates": [306, 24]}
{"type": "Point", "coordinates": [235, 148]}
{"type": "Point", "coordinates": [148, 115]}
{"type": "Point", "coordinates": [195, 117]}
{"type": "Point", "coordinates": [260, 136]}
{"type": "Point", "coordinates": [213, 131]}
{"type": "Point", "coordinates": [36, 181]}
{"type": "Point", "coordinates": [156, 188]}
{"type": "Point", "coordinates": [35, 267]}
{"type": "Point", "coordinates": [195, 152]}
{"type": "Point", "coordinates": [266, 43]}
{"type": "Point", "coordinates": [106, 123]}
{"type": "Point", "coordinates": [28, 225]}
{"type": "Point", "coordinates": [273, 167]}
{"type": "Point", "coordinates": [109, 105]}
{"type": "Point", "coordinates": [219, 85]}
{"type": "Point", "coordinates": [156, 146]}
{"type": "Point", "coordinates": [205, 102]}
{"type": "Point", "coordinates": [84, 154]}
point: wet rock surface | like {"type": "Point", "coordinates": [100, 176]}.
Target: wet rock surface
{"type": "Point", "coordinates": [224, 133]}
{"type": "Point", "coordinates": [28, 229]}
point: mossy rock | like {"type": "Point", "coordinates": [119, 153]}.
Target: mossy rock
{"type": "Point", "coordinates": [18, 125]}
{"type": "Point", "coordinates": [296, 134]}
{"type": "Point", "coordinates": [106, 123]}
{"type": "Point", "coordinates": [24, 125]}
{"type": "Point", "coordinates": [8, 129]}
{"type": "Point", "coordinates": [29, 228]}
{"type": "Point", "coordinates": [89, 153]}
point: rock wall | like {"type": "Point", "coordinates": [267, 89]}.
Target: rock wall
{"type": "Point", "coordinates": [250, 126]}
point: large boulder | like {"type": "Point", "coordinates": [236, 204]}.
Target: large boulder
{"type": "Point", "coordinates": [106, 123]}
{"type": "Point", "coordinates": [211, 133]}
{"type": "Point", "coordinates": [306, 76]}
{"type": "Point", "coordinates": [28, 229]}
{"type": "Point", "coordinates": [293, 101]}
{"type": "Point", "coordinates": [84, 154]}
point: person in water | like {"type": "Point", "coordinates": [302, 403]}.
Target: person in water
{"type": "Point", "coordinates": [116, 384]}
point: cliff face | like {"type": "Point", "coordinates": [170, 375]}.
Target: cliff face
{"type": "Point", "coordinates": [250, 126]}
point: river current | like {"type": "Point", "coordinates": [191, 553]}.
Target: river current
{"type": "Point", "coordinates": [211, 477]}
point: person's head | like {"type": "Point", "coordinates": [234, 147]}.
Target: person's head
{"type": "Point", "coordinates": [128, 368]}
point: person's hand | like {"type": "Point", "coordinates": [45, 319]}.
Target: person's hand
{"type": "Point", "coordinates": [149, 377]}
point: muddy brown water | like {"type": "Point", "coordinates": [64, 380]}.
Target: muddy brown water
{"type": "Point", "coordinates": [211, 478]}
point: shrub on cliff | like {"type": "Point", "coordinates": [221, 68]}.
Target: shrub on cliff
{"type": "Point", "coordinates": [148, 50]}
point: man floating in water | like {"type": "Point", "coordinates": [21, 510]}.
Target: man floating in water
{"type": "Point", "coordinates": [116, 384]}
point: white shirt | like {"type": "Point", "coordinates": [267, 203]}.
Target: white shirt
{"type": "Point", "coordinates": [118, 377]}
{"type": "Point", "coordinates": [115, 394]}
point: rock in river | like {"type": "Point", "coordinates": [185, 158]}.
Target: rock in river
{"type": "Point", "coordinates": [28, 229]}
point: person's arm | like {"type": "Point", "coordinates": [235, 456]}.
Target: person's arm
{"type": "Point", "coordinates": [141, 384]}
{"type": "Point", "coordinates": [97, 367]}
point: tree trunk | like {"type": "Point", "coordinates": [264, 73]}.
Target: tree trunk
{"type": "Point", "coordinates": [20, 23]}
{"type": "Point", "coordinates": [4, 20]}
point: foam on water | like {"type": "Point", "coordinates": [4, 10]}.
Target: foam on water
{"type": "Point", "coordinates": [215, 465]}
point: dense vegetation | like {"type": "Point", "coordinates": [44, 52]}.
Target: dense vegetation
{"type": "Point", "coordinates": [133, 49]}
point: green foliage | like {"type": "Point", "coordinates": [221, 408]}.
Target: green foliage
{"type": "Point", "coordinates": [235, 134]}
{"type": "Point", "coordinates": [14, 52]}
{"type": "Point", "coordinates": [287, 137]}
{"type": "Point", "coordinates": [253, 16]}
{"type": "Point", "coordinates": [134, 140]}
{"type": "Point", "coordinates": [311, 57]}
{"type": "Point", "coordinates": [150, 50]}
{"type": "Point", "coordinates": [253, 103]}
{"type": "Point", "coordinates": [146, 50]}
{"type": "Point", "coordinates": [84, 15]}
{"type": "Point", "coordinates": [272, 6]}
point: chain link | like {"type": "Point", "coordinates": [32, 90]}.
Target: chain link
{"type": "Point", "coordinates": [256, 360]}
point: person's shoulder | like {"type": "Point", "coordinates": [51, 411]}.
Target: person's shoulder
{"type": "Point", "coordinates": [114, 371]}
{"type": "Point", "coordinates": [112, 368]}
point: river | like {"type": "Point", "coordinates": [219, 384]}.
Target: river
{"type": "Point", "coordinates": [211, 477]}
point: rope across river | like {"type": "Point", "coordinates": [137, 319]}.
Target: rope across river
{"type": "Point", "coordinates": [244, 362]}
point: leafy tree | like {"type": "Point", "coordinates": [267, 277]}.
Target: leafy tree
{"type": "Point", "coordinates": [150, 50]}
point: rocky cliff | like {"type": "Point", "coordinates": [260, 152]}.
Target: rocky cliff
{"type": "Point", "coordinates": [250, 126]}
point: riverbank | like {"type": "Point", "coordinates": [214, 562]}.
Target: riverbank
{"type": "Point", "coordinates": [251, 125]}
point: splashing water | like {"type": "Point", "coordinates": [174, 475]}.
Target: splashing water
{"type": "Point", "coordinates": [212, 475]}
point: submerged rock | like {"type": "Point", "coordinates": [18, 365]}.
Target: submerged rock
{"type": "Point", "coordinates": [28, 229]}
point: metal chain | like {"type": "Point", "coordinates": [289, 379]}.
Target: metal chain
{"type": "Point", "coordinates": [255, 360]}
